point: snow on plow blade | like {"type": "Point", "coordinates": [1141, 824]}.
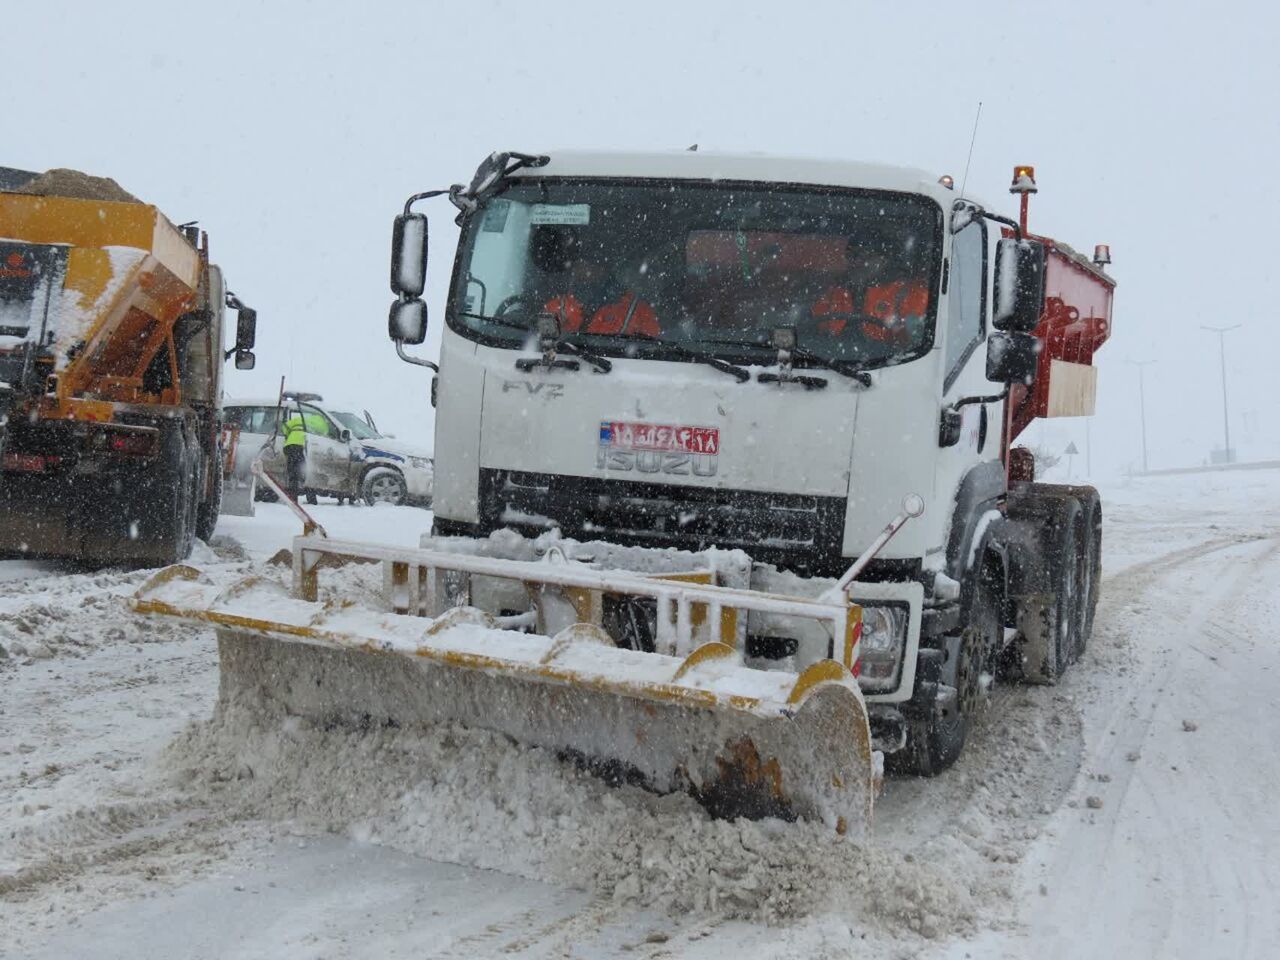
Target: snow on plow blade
{"type": "Point", "coordinates": [743, 741]}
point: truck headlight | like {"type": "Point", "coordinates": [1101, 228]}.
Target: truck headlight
{"type": "Point", "coordinates": [420, 463]}
{"type": "Point", "coordinates": [884, 634]}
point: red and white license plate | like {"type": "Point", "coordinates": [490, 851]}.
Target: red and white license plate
{"type": "Point", "coordinates": [660, 437]}
{"type": "Point", "coordinates": [23, 462]}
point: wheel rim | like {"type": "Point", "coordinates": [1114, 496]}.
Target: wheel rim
{"type": "Point", "coordinates": [385, 490]}
{"type": "Point", "coordinates": [968, 674]}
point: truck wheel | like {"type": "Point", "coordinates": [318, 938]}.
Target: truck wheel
{"type": "Point", "coordinates": [167, 506]}
{"type": "Point", "coordinates": [1090, 544]}
{"type": "Point", "coordinates": [383, 485]}
{"type": "Point", "coordinates": [1052, 618]}
{"type": "Point", "coordinates": [934, 743]}
{"type": "Point", "coordinates": [207, 513]}
{"type": "Point", "coordinates": [1091, 564]}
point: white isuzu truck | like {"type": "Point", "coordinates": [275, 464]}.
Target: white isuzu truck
{"type": "Point", "coordinates": [688, 350]}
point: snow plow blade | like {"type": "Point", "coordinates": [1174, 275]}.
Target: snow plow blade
{"type": "Point", "coordinates": [743, 741]}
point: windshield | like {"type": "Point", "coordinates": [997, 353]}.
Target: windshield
{"type": "Point", "coordinates": [359, 429]}
{"type": "Point", "coordinates": [628, 267]}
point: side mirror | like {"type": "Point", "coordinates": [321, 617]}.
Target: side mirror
{"type": "Point", "coordinates": [246, 329]}
{"type": "Point", "coordinates": [409, 255]}
{"type": "Point", "coordinates": [245, 360]}
{"type": "Point", "coordinates": [1019, 285]}
{"type": "Point", "coordinates": [408, 321]}
{"type": "Point", "coordinates": [1012, 357]}
{"type": "Point", "coordinates": [344, 435]}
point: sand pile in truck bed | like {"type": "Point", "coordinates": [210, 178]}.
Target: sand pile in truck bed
{"type": "Point", "coordinates": [64, 182]}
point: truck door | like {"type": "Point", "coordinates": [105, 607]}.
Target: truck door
{"type": "Point", "coordinates": [968, 301]}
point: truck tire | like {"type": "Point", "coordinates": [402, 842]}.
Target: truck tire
{"type": "Point", "coordinates": [167, 505]}
{"type": "Point", "coordinates": [207, 513]}
{"type": "Point", "coordinates": [935, 742]}
{"type": "Point", "coordinates": [1091, 552]}
{"type": "Point", "coordinates": [1091, 557]}
{"type": "Point", "coordinates": [1051, 619]}
{"type": "Point", "coordinates": [383, 485]}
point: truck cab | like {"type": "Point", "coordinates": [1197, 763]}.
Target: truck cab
{"type": "Point", "coordinates": [693, 351]}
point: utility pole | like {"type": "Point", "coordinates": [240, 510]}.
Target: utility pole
{"type": "Point", "coordinates": [1222, 357]}
{"type": "Point", "coordinates": [1142, 407]}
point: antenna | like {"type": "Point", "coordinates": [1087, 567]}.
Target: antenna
{"type": "Point", "coordinates": [965, 180]}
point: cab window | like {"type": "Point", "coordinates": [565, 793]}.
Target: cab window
{"type": "Point", "coordinates": [966, 296]}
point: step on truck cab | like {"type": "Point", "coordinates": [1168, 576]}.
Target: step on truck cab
{"type": "Point", "coordinates": [693, 351]}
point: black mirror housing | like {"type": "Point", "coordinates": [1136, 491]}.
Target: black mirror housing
{"type": "Point", "coordinates": [409, 255]}
{"type": "Point", "coordinates": [1013, 357]}
{"type": "Point", "coordinates": [407, 322]}
{"type": "Point", "coordinates": [344, 435]}
{"type": "Point", "coordinates": [245, 360]}
{"type": "Point", "coordinates": [1019, 284]}
{"type": "Point", "coordinates": [246, 329]}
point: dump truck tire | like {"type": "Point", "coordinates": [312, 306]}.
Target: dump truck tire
{"type": "Point", "coordinates": [1050, 619]}
{"type": "Point", "coordinates": [1091, 559]}
{"type": "Point", "coordinates": [1091, 553]}
{"type": "Point", "coordinates": [207, 513]}
{"type": "Point", "coordinates": [167, 505]}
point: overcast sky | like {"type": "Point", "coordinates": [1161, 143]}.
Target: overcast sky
{"type": "Point", "coordinates": [294, 131]}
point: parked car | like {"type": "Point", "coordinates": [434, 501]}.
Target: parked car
{"type": "Point", "coordinates": [347, 456]}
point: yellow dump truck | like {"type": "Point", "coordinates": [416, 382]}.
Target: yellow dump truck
{"type": "Point", "coordinates": [111, 357]}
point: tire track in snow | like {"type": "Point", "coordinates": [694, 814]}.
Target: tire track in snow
{"type": "Point", "coordinates": [1145, 796]}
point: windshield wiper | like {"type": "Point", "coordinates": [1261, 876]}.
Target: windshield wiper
{"type": "Point", "coordinates": [843, 367]}
{"type": "Point", "coordinates": [739, 373]}
{"type": "Point", "coordinates": [561, 343]}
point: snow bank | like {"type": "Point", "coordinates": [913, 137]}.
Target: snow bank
{"type": "Point", "coordinates": [474, 798]}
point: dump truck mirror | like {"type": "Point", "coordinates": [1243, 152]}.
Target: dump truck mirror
{"type": "Point", "coordinates": [245, 360]}
{"type": "Point", "coordinates": [408, 321]}
{"type": "Point", "coordinates": [1012, 357]}
{"type": "Point", "coordinates": [246, 329]}
{"type": "Point", "coordinates": [1019, 284]}
{"type": "Point", "coordinates": [409, 255]}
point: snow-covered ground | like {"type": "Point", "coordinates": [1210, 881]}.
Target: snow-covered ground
{"type": "Point", "coordinates": [1126, 812]}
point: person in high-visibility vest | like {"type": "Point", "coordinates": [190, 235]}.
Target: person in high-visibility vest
{"type": "Point", "coordinates": [295, 455]}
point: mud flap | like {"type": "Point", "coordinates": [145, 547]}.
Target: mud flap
{"type": "Point", "coordinates": [1039, 647]}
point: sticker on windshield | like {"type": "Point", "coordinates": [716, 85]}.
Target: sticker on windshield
{"type": "Point", "coordinates": [495, 216]}
{"type": "Point", "coordinates": [566, 214]}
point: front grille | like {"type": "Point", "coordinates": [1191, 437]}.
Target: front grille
{"type": "Point", "coordinates": [773, 527]}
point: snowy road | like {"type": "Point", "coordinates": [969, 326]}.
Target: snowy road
{"type": "Point", "coordinates": [1129, 811]}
